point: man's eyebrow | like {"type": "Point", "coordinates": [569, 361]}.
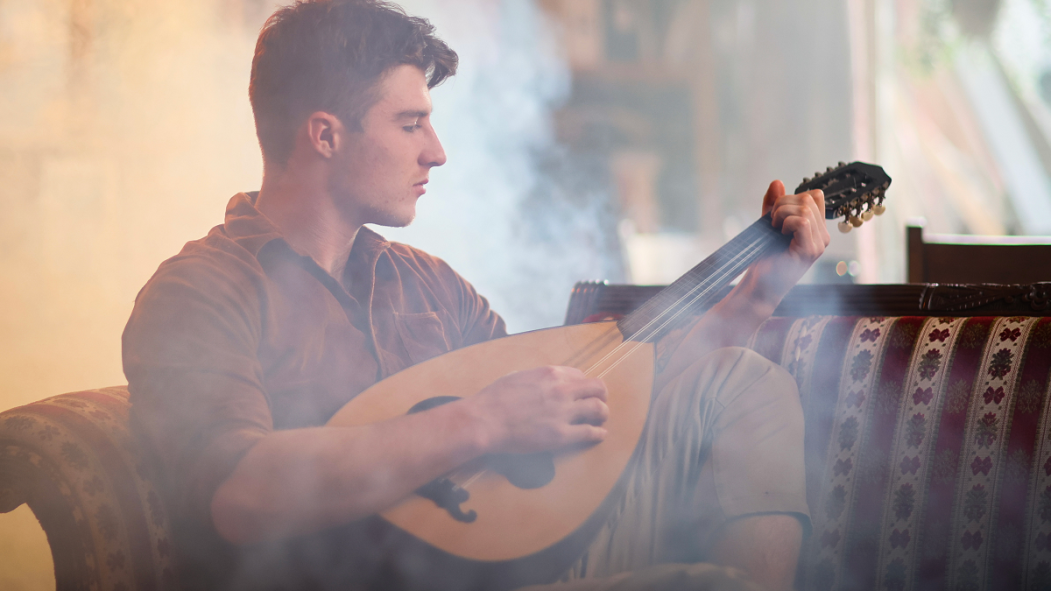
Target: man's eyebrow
{"type": "Point", "coordinates": [412, 114]}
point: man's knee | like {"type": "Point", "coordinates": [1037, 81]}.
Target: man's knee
{"type": "Point", "coordinates": [731, 392]}
{"type": "Point", "coordinates": [756, 392]}
{"type": "Point", "coordinates": [757, 450]}
{"type": "Point", "coordinates": [735, 375]}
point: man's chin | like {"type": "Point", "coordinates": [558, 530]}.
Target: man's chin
{"type": "Point", "coordinates": [394, 221]}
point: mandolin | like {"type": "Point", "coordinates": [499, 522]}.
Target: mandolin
{"type": "Point", "coordinates": [504, 521]}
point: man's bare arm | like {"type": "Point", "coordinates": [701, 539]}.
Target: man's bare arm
{"type": "Point", "coordinates": [733, 320]}
{"type": "Point", "coordinates": [765, 546]}
{"type": "Point", "coordinates": [299, 481]}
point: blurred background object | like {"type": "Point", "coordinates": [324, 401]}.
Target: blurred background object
{"type": "Point", "coordinates": [955, 258]}
{"type": "Point", "coordinates": [613, 139]}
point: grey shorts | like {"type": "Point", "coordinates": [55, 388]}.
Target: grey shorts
{"type": "Point", "coordinates": [723, 440]}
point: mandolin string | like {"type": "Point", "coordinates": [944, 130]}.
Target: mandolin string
{"type": "Point", "coordinates": [741, 259]}
{"type": "Point", "coordinates": [672, 312]}
{"type": "Point", "coordinates": [639, 343]}
{"type": "Point", "coordinates": [754, 233]}
{"type": "Point", "coordinates": [675, 306]}
{"type": "Point", "coordinates": [728, 274]}
{"type": "Point", "coordinates": [668, 307]}
{"type": "Point", "coordinates": [682, 309]}
{"type": "Point", "coordinates": [593, 347]}
{"type": "Point", "coordinates": [747, 251]}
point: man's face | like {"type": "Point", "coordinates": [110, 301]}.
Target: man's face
{"type": "Point", "coordinates": [381, 171]}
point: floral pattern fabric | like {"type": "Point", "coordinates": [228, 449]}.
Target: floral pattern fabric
{"type": "Point", "coordinates": [913, 444]}
{"type": "Point", "coordinates": [983, 453]}
{"type": "Point", "coordinates": [80, 443]}
{"type": "Point", "coordinates": [831, 518]}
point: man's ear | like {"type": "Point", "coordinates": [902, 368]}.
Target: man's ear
{"type": "Point", "coordinates": [324, 133]}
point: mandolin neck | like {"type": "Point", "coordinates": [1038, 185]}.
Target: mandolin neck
{"type": "Point", "coordinates": [701, 285]}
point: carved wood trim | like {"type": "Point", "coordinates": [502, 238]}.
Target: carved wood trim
{"type": "Point", "coordinates": [930, 299]}
{"type": "Point", "coordinates": [1032, 299]}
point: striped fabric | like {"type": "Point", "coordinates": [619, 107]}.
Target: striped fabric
{"type": "Point", "coordinates": [928, 449]}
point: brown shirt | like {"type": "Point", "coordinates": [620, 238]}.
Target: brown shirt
{"type": "Point", "coordinates": [239, 335]}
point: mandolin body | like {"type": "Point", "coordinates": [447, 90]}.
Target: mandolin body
{"type": "Point", "coordinates": [545, 524]}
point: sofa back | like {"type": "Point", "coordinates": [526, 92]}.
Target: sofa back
{"type": "Point", "coordinates": [927, 448]}
{"type": "Point", "coordinates": [928, 428]}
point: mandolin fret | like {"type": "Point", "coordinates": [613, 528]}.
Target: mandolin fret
{"type": "Point", "coordinates": [698, 287]}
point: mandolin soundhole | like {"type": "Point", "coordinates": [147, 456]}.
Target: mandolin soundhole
{"type": "Point", "coordinates": [524, 471]}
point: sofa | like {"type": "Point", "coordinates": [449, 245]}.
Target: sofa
{"type": "Point", "coordinates": [928, 443]}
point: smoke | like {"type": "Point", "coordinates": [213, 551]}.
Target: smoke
{"type": "Point", "coordinates": [125, 127]}
{"type": "Point", "coordinates": [517, 214]}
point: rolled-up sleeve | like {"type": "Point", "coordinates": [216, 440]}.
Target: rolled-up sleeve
{"type": "Point", "coordinates": [190, 356]}
{"type": "Point", "coordinates": [477, 320]}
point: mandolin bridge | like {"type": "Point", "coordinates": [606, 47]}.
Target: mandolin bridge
{"type": "Point", "coordinates": [447, 495]}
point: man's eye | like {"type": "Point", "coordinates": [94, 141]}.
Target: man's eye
{"type": "Point", "coordinates": [411, 128]}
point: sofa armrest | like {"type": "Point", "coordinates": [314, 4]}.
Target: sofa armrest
{"type": "Point", "coordinates": [72, 459]}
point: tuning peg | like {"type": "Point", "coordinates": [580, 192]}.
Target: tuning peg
{"type": "Point", "coordinates": [842, 164]}
{"type": "Point", "coordinates": [845, 227]}
{"type": "Point", "coordinates": [855, 221]}
{"type": "Point", "coordinates": [878, 209]}
{"type": "Point", "coordinates": [806, 179]}
{"type": "Point", "coordinates": [829, 169]}
{"type": "Point", "coordinates": [866, 216]}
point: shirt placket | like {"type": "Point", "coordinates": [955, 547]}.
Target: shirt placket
{"type": "Point", "coordinates": [359, 314]}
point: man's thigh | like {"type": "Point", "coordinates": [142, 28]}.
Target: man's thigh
{"type": "Point", "coordinates": [722, 440]}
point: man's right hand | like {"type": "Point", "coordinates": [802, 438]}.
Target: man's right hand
{"type": "Point", "coordinates": [541, 409]}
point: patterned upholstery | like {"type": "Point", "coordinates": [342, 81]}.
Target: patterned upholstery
{"type": "Point", "coordinates": [928, 449]}
{"type": "Point", "coordinates": [72, 459]}
{"type": "Point", "coordinates": [928, 459]}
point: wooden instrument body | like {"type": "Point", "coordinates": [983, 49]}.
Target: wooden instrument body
{"type": "Point", "coordinates": [513, 522]}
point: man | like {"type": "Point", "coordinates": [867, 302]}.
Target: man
{"type": "Point", "coordinates": [242, 345]}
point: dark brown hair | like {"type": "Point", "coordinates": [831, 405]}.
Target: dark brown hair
{"type": "Point", "coordinates": [328, 55]}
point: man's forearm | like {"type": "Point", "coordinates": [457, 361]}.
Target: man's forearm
{"type": "Point", "coordinates": [303, 480]}
{"type": "Point", "coordinates": [730, 323]}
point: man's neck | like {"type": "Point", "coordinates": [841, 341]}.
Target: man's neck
{"type": "Point", "coordinates": [305, 212]}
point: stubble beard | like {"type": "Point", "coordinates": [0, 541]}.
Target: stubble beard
{"type": "Point", "coordinates": [391, 218]}
{"type": "Point", "coordinates": [382, 215]}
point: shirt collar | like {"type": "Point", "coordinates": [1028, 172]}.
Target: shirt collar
{"type": "Point", "coordinates": [247, 226]}
{"type": "Point", "coordinates": [251, 230]}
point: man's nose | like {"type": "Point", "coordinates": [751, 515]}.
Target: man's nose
{"type": "Point", "coordinates": [433, 154]}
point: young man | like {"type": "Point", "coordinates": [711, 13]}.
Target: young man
{"type": "Point", "coordinates": [243, 345]}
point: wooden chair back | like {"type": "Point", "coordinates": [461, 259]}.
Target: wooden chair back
{"type": "Point", "coordinates": [975, 259]}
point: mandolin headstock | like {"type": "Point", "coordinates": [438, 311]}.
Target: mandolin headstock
{"type": "Point", "coordinates": [853, 191]}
